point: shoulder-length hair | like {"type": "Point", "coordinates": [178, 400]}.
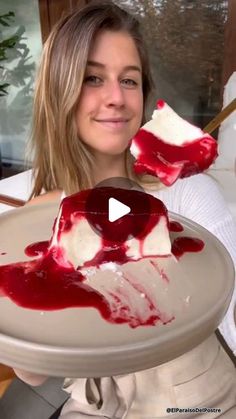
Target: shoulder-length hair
{"type": "Point", "coordinates": [61, 160]}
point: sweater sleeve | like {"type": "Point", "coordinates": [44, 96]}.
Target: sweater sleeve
{"type": "Point", "coordinates": [201, 201]}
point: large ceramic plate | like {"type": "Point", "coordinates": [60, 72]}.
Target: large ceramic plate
{"type": "Point", "coordinates": [78, 342]}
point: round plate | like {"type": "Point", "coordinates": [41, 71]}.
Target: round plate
{"type": "Point", "coordinates": [78, 342]}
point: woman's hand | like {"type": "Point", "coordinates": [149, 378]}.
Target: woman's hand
{"type": "Point", "coordinates": [30, 378]}
{"type": "Point", "coordinates": [6, 376]}
{"type": "Point", "coordinates": [6, 373]}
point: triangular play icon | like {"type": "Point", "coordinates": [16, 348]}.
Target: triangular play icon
{"type": "Point", "coordinates": [116, 209]}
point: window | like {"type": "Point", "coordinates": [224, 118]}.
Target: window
{"type": "Point", "coordinates": [186, 41]}
{"type": "Point", "coordinates": [19, 72]}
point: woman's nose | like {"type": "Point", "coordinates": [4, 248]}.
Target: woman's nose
{"type": "Point", "coordinates": [114, 94]}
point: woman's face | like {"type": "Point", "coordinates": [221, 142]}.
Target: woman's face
{"type": "Point", "coordinates": [110, 108]}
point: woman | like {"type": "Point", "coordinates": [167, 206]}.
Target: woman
{"type": "Point", "coordinates": [91, 94]}
{"type": "Point", "coordinates": [66, 78]}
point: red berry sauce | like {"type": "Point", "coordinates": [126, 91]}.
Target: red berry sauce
{"type": "Point", "coordinates": [45, 284]}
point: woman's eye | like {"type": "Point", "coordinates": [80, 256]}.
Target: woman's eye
{"type": "Point", "coordinates": [129, 82]}
{"type": "Point", "coordinates": [93, 80]}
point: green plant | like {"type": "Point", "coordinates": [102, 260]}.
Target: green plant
{"type": "Point", "coordinates": [6, 44]}
{"type": "Point", "coordinates": [16, 77]}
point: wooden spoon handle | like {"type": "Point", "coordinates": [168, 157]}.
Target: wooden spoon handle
{"type": "Point", "coordinates": [13, 202]}
{"type": "Point", "coordinates": [220, 117]}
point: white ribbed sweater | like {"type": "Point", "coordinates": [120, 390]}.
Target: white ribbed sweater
{"type": "Point", "coordinates": [199, 199]}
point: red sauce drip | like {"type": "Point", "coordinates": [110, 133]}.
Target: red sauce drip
{"type": "Point", "coordinates": [182, 245]}
{"type": "Point", "coordinates": [175, 226]}
{"type": "Point", "coordinates": [36, 249]}
{"type": "Point", "coordinates": [144, 216]}
{"type": "Point", "coordinates": [170, 162]}
{"type": "Point", "coordinates": [160, 104]}
{"type": "Point", "coordinates": [160, 271]}
{"type": "Point", "coordinates": [44, 285]}
{"type": "Point", "coordinates": [115, 254]}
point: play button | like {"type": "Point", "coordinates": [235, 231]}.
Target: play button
{"type": "Point", "coordinates": [116, 210]}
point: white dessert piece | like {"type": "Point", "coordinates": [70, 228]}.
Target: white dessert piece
{"type": "Point", "coordinates": [79, 244]}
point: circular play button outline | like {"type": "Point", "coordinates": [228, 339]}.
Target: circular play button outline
{"type": "Point", "coordinates": [105, 204]}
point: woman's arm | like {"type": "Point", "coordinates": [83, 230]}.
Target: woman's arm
{"type": "Point", "coordinates": [203, 202]}
{"type": "Point", "coordinates": [44, 198]}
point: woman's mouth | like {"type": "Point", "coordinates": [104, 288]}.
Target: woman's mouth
{"type": "Point", "coordinates": [113, 123]}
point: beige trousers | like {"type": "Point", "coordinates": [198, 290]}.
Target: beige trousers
{"type": "Point", "coordinates": [204, 377]}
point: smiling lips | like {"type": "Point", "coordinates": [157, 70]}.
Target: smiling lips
{"type": "Point", "coordinates": [114, 123]}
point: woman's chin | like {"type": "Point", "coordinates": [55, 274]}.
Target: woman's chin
{"type": "Point", "coordinates": [111, 151]}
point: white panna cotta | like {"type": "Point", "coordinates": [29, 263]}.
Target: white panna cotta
{"type": "Point", "coordinates": [78, 242]}
{"type": "Point", "coordinates": [169, 147]}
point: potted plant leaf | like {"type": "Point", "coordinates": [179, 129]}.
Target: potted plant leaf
{"type": "Point", "coordinates": [16, 85]}
{"type": "Point", "coordinates": [6, 44]}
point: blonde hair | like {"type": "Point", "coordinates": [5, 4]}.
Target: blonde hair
{"type": "Point", "coordinates": [61, 161]}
